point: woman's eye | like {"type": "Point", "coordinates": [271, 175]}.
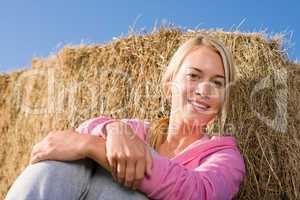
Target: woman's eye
{"type": "Point", "coordinates": [218, 83]}
{"type": "Point", "coordinates": [192, 76]}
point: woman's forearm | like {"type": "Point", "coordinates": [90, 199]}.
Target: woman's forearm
{"type": "Point", "coordinates": [96, 150]}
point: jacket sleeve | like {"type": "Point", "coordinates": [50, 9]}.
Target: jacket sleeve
{"type": "Point", "coordinates": [96, 126]}
{"type": "Point", "coordinates": [218, 177]}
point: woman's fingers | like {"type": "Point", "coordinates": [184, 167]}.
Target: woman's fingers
{"type": "Point", "coordinates": [33, 151]}
{"type": "Point", "coordinates": [130, 173]}
{"type": "Point", "coordinates": [139, 172]}
{"type": "Point", "coordinates": [114, 169]}
{"type": "Point", "coordinates": [36, 149]}
{"type": "Point", "coordinates": [135, 184]}
{"type": "Point", "coordinates": [140, 169]}
{"type": "Point", "coordinates": [38, 157]}
{"type": "Point", "coordinates": [40, 152]}
{"type": "Point", "coordinates": [149, 162]}
{"type": "Point", "coordinates": [113, 165]}
{"type": "Point", "coordinates": [121, 170]}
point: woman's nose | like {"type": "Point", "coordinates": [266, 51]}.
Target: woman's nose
{"type": "Point", "coordinates": [203, 89]}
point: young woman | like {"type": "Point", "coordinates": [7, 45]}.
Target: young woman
{"type": "Point", "coordinates": [174, 159]}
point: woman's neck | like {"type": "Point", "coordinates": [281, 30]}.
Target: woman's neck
{"type": "Point", "coordinates": [181, 134]}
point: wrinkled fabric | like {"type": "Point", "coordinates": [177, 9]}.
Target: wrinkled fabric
{"type": "Point", "coordinates": [209, 168]}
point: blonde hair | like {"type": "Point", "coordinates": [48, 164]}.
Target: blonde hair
{"type": "Point", "coordinates": [157, 133]}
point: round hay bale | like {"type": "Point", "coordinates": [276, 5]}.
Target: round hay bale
{"type": "Point", "coordinates": [121, 79]}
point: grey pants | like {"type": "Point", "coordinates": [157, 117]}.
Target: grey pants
{"type": "Point", "coordinates": [76, 180]}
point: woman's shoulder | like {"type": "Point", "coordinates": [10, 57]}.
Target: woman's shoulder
{"type": "Point", "coordinates": [226, 138]}
{"type": "Point", "coordinates": [228, 147]}
{"type": "Point", "coordinates": [217, 144]}
{"type": "Point", "coordinates": [223, 146]}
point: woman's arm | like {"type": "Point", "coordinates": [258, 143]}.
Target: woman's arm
{"type": "Point", "coordinates": [97, 126]}
{"type": "Point", "coordinates": [85, 142]}
{"type": "Point", "coordinates": [127, 155]}
{"type": "Point", "coordinates": [218, 177]}
{"type": "Point", "coordinates": [95, 150]}
{"type": "Point", "coordinates": [68, 145]}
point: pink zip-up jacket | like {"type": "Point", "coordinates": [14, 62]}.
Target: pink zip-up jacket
{"type": "Point", "coordinates": [207, 169]}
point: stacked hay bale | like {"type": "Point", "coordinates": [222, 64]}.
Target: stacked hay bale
{"type": "Point", "coordinates": [121, 79]}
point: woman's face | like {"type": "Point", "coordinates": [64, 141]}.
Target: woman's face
{"type": "Point", "coordinates": [199, 87]}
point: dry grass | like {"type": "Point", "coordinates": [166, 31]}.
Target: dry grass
{"type": "Point", "coordinates": [121, 79]}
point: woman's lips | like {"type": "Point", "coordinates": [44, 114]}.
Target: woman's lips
{"type": "Point", "coordinates": [199, 106]}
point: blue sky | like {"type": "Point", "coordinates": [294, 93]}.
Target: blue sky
{"type": "Point", "coordinates": [38, 28]}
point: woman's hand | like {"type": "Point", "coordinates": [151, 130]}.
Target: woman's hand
{"type": "Point", "coordinates": [129, 157]}
{"type": "Point", "coordinates": [60, 145]}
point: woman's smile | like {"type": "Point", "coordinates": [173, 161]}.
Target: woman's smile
{"type": "Point", "coordinates": [198, 106]}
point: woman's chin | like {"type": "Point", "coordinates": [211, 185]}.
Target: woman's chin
{"type": "Point", "coordinates": [198, 118]}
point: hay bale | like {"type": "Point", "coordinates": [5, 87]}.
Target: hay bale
{"type": "Point", "coordinates": [120, 79]}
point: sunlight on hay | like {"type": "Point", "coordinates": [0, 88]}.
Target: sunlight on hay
{"type": "Point", "coordinates": [121, 79]}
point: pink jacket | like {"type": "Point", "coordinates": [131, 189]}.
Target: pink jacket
{"type": "Point", "coordinates": [209, 168]}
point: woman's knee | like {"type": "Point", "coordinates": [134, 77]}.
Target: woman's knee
{"type": "Point", "coordinates": [47, 179]}
{"type": "Point", "coordinates": [104, 187]}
